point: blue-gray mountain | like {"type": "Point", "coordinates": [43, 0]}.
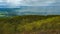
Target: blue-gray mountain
{"type": "Point", "coordinates": [31, 10]}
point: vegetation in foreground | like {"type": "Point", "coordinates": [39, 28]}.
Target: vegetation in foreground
{"type": "Point", "coordinates": [30, 24]}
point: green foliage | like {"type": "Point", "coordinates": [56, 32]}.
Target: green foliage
{"type": "Point", "coordinates": [15, 24]}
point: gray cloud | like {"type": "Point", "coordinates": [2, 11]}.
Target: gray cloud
{"type": "Point", "coordinates": [18, 3]}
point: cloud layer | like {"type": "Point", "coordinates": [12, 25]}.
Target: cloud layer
{"type": "Point", "coordinates": [18, 3]}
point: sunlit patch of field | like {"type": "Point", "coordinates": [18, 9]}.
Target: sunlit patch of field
{"type": "Point", "coordinates": [30, 24]}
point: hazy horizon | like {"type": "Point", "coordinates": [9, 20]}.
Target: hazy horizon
{"type": "Point", "coordinates": [30, 7]}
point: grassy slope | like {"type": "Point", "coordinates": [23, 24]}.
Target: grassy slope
{"type": "Point", "coordinates": [30, 24]}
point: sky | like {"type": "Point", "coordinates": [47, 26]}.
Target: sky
{"type": "Point", "coordinates": [18, 3]}
{"type": "Point", "coordinates": [38, 6]}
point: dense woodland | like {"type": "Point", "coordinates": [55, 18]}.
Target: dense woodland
{"type": "Point", "coordinates": [30, 24]}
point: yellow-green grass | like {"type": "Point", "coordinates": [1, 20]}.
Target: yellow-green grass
{"type": "Point", "coordinates": [31, 24]}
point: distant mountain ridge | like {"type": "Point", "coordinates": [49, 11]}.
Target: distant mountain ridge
{"type": "Point", "coordinates": [32, 10]}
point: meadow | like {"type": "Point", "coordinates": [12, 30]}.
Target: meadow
{"type": "Point", "coordinates": [30, 24]}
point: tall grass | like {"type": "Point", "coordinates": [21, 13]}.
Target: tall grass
{"type": "Point", "coordinates": [29, 24]}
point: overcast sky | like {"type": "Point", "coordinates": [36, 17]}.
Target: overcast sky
{"type": "Point", "coordinates": [17, 3]}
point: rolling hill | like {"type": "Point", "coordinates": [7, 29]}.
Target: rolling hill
{"type": "Point", "coordinates": [30, 24]}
